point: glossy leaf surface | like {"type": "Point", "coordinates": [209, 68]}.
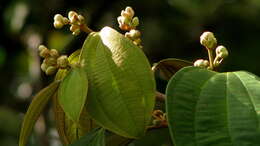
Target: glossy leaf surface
{"type": "Point", "coordinates": [35, 109]}
{"type": "Point", "coordinates": [217, 109]}
{"type": "Point", "coordinates": [121, 85]}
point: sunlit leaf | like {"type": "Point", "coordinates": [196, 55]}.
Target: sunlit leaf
{"type": "Point", "coordinates": [121, 85]}
{"type": "Point", "coordinates": [72, 93]}
{"type": "Point", "coordinates": [36, 107]}
{"type": "Point", "coordinates": [208, 108]}
{"type": "Point", "coordinates": [96, 137]}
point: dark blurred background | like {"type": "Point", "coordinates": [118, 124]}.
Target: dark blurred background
{"type": "Point", "coordinates": [170, 28]}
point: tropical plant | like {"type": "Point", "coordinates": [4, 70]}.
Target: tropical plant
{"type": "Point", "coordinates": [105, 93]}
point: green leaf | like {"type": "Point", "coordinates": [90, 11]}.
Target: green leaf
{"type": "Point", "coordinates": [168, 67]}
{"type": "Point", "coordinates": [155, 137]}
{"type": "Point", "coordinates": [72, 93]}
{"type": "Point", "coordinates": [36, 107]}
{"type": "Point", "coordinates": [218, 109]}
{"type": "Point", "coordinates": [96, 137]}
{"type": "Point", "coordinates": [121, 84]}
{"type": "Point", "coordinates": [66, 128]}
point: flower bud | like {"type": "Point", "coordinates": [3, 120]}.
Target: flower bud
{"type": "Point", "coordinates": [44, 67]}
{"type": "Point", "coordinates": [221, 52]}
{"type": "Point", "coordinates": [81, 18]}
{"type": "Point", "coordinates": [50, 61]}
{"type": "Point", "coordinates": [62, 61]}
{"type": "Point", "coordinates": [65, 20]}
{"type": "Point", "coordinates": [51, 70]}
{"type": "Point", "coordinates": [201, 63]}
{"type": "Point", "coordinates": [58, 17]}
{"type": "Point", "coordinates": [130, 12]}
{"type": "Point", "coordinates": [135, 21]}
{"type": "Point", "coordinates": [74, 27]}
{"type": "Point", "coordinates": [71, 14]}
{"type": "Point", "coordinates": [44, 52]}
{"type": "Point", "coordinates": [58, 24]}
{"type": "Point", "coordinates": [42, 47]}
{"type": "Point", "coordinates": [208, 40]}
{"type": "Point", "coordinates": [54, 53]}
{"type": "Point", "coordinates": [135, 33]}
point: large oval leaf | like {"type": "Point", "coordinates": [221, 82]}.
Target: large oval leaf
{"type": "Point", "coordinates": [35, 109]}
{"type": "Point", "coordinates": [121, 85]}
{"type": "Point", "coordinates": [72, 93]}
{"type": "Point", "coordinates": [217, 109]}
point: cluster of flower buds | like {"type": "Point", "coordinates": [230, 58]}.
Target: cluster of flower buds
{"type": "Point", "coordinates": [159, 118]}
{"type": "Point", "coordinates": [127, 21]}
{"type": "Point", "coordinates": [74, 19]}
{"type": "Point", "coordinates": [52, 60]}
{"type": "Point", "coordinates": [208, 40]}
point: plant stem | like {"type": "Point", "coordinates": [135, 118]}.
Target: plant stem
{"type": "Point", "coordinates": [159, 96]}
{"type": "Point", "coordinates": [211, 58]}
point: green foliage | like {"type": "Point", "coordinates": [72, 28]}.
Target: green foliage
{"type": "Point", "coordinates": [72, 93]}
{"type": "Point", "coordinates": [107, 93]}
{"type": "Point", "coordinates": [122, 88]}
{"type": "Point", "coordinates": [96, 137]}
{"type": "Point", "coordinates": [209, 108]}
{"type": "Point", "coordinates": [36, 107]}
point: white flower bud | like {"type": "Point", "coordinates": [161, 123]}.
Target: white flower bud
{"type": "Point", "coordinates": [44, 52]}
{"type": "Point", "coordinates": [58, 17]}
{"type": "Point", "coordinates": [208, 40]}
{"type": "Point", "coordinates": [58, 24]}
{"type": "Point", "coordinates": [74, 27]}
{"type": "Point", "coordinates": [201, 63]}
{"type": "Point", "coordinates": [54, 53]}
{"type": "Point", "coordinates": [44, 67]}
{"type": "Point", "coordinates": [221, 52]}
{"type": "Point", "coordinates": [71, 14]}
{"type": "Point", "coordinates": [81, 18]}
{"type": "Point", "coordinates": [130, 12]}
{"type": "Point", "coordinates": [65, 20]}
{"type": "Point", "coordinates": [42, 47]}
{"type": "Point", "coordinates": [62, 61]}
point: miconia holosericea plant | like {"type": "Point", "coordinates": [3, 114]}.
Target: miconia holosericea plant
{"type": "Point", "coordinates": [105, 93]}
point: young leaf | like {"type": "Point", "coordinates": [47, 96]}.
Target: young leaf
{"type": "Point", "coordinates": [122, 88]}
{"type": "Point", "coordinates": [72, 93]}
{"type": "Point", "coordinates": [209, 108]}
{"type": "Point", "coordinates": [168, 67]}
{"type": "Point", "coordinates": [96, 137]}
{"type": "Point", "coordinates": [34, 111]}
